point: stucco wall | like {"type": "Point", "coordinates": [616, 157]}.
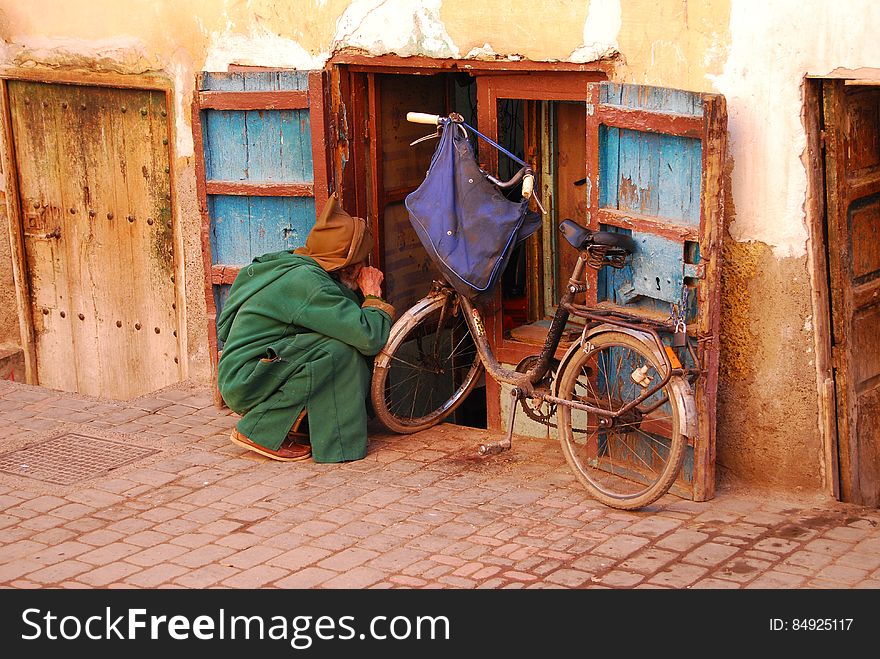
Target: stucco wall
{"type": "Point", "coordinates": [755, 53]}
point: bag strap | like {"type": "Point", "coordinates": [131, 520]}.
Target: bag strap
{"type": "Point", "coordinates": [496, 145]}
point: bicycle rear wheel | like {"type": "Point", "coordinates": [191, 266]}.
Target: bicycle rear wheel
{"type": "Point", "coordinates": [427, 369]}
{"type": "Point", "coordinates": [630, 461]}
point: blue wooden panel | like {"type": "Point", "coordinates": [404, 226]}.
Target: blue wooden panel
{"type": "Point", "coordinates": [609, 145]}
{"type": "Point", "coordinates": [222, 82]}
{"type": "Point", "coordinates": [652, 280]}
{"type": "Point", "coordinates": [258, 145]}
{"type": "Point", "coordinates": [256, 81]}
{"type": "Point", "coordinates": [245, 227]}
{"type": "Point", "coordinates": [296, 145]}
{"type": "Point", "coordinates": [657, 266]}
{"type": "Point", "coordinates": [651, 174]}
{"type": "Point", "coordinates": [224, 137]}
{"type": "Point", "coordinates": [655, 99]}
{"type": "Point", "coordinates": [264, 146]}
{"type": "Point", "coordinates": [280, 222]}
{"type": "Point", "coordinates": [230, 230]}
{"type": "Point", "coordinates": [279, 146]}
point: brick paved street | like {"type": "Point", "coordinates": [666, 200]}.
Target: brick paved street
{"type": "Point", "coordinates": [189, 509]}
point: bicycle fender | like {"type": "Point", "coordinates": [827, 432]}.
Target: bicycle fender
{"type": "Point", "coordinates": [426, 304]}
{"type": "Point", "coordinates": [679, 386]}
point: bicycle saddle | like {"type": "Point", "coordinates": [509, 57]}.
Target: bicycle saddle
{"type": "Point", "coordinates": [582, 238]}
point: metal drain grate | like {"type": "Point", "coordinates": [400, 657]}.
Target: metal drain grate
{"type": "Point", "coordinates": [70, 458]}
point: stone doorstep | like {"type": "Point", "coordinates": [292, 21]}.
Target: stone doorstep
{"type": "Point", "coordinates": [11, 364]}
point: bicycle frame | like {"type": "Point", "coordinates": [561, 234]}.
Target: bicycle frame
{"type": "Point", "coordinates": [524, 384]}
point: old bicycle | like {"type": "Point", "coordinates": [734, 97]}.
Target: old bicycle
{"type": "Point", "coordinates": [621, 396]}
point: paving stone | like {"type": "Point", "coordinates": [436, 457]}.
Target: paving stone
{"type": "Point", "coordinates": [57, 572]}
{"type": "Point", "coordinates": [359, 577]}
{"type": "Point", "coordinates": [619, 579]}
{"type": "Point", "coordinates": [155, 576]}
{"type": "Point", "coordinates": [109, 553]}
{"type": "Point", "coordinates": [310, 577]}
{"type": "Point", "coordinates": [620, 546]}
{"type": "Point", "coordinates": [678, 576]}
{"type": "Point", "coordinates": [682, 540]}
{"type": "Point", "coordinates": [107, 574]}
{"type": "Point", "coordinates": [203, 555]}
{"type": "Point", "coordinates": [255, 577]}
{"type": "Point", "coordinates": [156, 554]}
{"type": "Point", "coordinates": [709, 554]}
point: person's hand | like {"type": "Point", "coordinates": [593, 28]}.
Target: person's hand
{"type": "Point", "coordinates": [370, 281]}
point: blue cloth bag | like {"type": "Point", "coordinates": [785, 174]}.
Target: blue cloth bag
{"type": "Point", "coordinates": [468, 227]}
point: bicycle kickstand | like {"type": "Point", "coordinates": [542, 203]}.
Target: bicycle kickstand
{"type": "Point", "coordinates": [493, 448]}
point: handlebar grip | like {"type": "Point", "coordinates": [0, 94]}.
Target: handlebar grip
{"type": "Point", "coordinates": [423, 118]}
{"type": "Point", "coordinates": [528, 184]}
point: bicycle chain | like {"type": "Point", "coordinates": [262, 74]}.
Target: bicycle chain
{"type": "Point", "coordinates": [538, 413]}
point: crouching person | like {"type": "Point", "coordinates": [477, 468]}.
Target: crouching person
{"type": "Point", "coordinates": [299, 330]}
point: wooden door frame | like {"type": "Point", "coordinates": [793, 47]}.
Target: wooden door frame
{"type": "Point", "coordinates": [13, 206]}
{"type": "Point", "coordinates": [820, 293]}
{"type": "Point", "coordinates": [836, 463]}
{"type": "Point", "coordinates": [348, 115]}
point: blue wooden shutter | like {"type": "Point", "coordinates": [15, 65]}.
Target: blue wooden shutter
{"type": "Point", "coordinates": [262, 170]}
{"type": "Point", "coordinates": [655, 163]}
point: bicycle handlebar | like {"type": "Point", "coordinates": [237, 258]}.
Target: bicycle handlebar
{"type": "Point", "coordinates": [528, 177]}
{"type": "Point", "coordinates": [423, 118]}
{"type": "Point", "coordinates": [528, 185]}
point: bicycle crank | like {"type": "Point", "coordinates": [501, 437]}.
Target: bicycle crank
{"type": "Point", "coordinates": [538, 409]}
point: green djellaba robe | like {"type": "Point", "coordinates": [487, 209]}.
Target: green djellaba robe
{"type": "Point", "coordinates": [294, 339]}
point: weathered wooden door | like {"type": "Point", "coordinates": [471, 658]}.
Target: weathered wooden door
{"type": "Point", "coordinates": [852, 139]}
{"type": "Point", "coordinates": [395, 169]}
{"type": "Point", "coordinates": [93, 178]}
{"type": "Point", "coordinates": [654, 170]}
{"type": "Point", "coordinates": [261, 162]}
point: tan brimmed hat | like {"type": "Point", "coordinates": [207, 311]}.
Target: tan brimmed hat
{"type": "Point", "coordinates": [337, 239]}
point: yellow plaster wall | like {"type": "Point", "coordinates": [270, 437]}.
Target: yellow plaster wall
{"type": "Point", "coordinates": [668, 42]}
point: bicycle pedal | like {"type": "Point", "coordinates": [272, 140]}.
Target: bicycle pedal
{"type": "Point", "coordinates": [494, 448]}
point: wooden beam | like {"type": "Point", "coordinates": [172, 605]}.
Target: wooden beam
{"type": "Point", "coordinates": [322, 143]}
{"type": "Point", "coordinates": [820, 294]}
{"type": "Point", "coordinates": [682, 125]}
{"type": "Point", "coordinates": [16, 240]}
{"type": "Point", "coordinates": [86, 78]}
{"type": "Point", "coordinates": [635, 221]}
{"type": "Point", "coordinates": [178, 241]}
{"type": "Point", "coordinates": [427, 65]}
{"type": "Point", "coordinates": [262, 100]}
{"type": "Point", "coordinates": [260, 188]}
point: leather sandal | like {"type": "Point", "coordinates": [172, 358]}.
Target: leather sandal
{"type": "Point", "coordinates": [289, 451]}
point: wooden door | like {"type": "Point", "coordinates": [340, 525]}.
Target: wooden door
{"type": "Point", "coordinates": [654, 170]}
{"type": "Point", "coordinates": [852, 138]}
{"type": "Point", "coordinates": [93, 178]}
{"type": "Point", "coordinates": [395, 169]}
{"type": "Point", "coordinates": [261, 167]}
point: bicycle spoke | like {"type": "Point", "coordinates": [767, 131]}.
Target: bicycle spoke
{"type": "Point", "coordinates": [630, 458]}
{"type": "Point", "coordinates": [432, 365]}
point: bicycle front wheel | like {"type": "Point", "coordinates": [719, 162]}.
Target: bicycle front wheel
{"type": "Point", "coordinates": [630, 460]}
{"type": "Point", "coordinates": [427, 369]}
